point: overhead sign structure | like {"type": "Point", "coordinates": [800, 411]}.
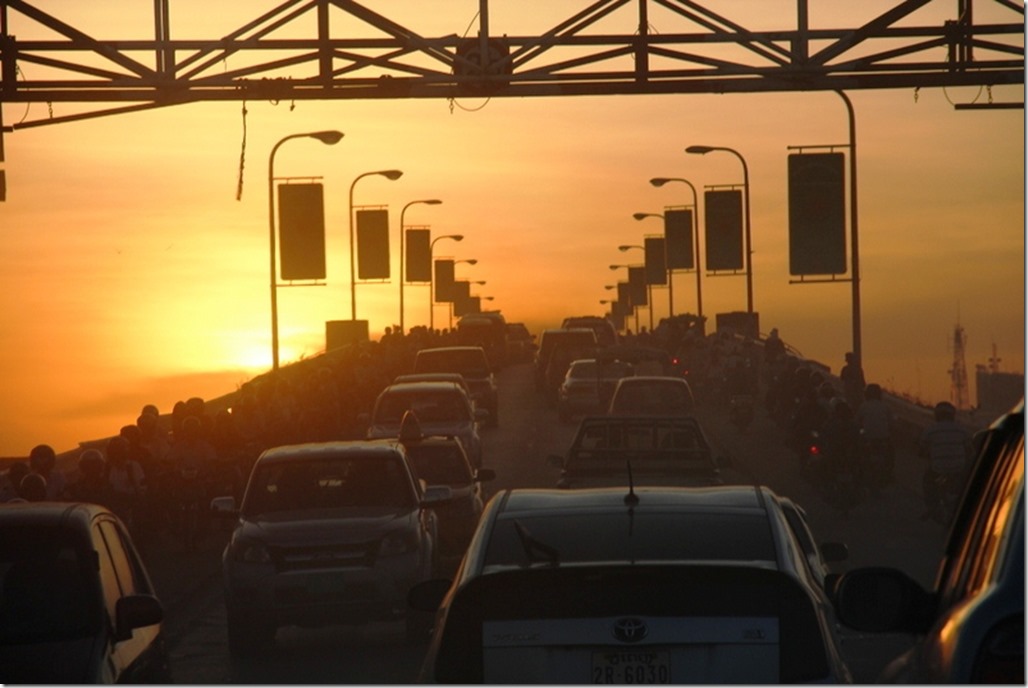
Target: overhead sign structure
{"type": "Point", "coordinates": [724, 229]}
{"type": "Point", "coordinates": [817, 214]}
{"type": "Point", "coordinates": [678, 239]}
{"type": "Point", "coordinates": [417, 266]}
{"type": "Point", "coordinates": [301, 228]}
{"type": "Point", "coordinates": [373, 244]}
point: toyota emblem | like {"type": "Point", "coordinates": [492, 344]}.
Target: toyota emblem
{"type": "Point", "coordinates": [629, 630]}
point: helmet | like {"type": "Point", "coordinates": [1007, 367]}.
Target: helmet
{"type": "Point", "coordinates": [91, 462]}
{"type": "Point", "coordinates": [945, 411]}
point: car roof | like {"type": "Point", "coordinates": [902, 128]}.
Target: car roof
{"type": "Point", "coordinates": [318, 450]}
{"type": "Point", "coordinates": [48, 513]}
{"type": "Point", "coordinates": [650, 379]}
{"type": "Point", "coordinates": [437, 349]}
{"type": "Point", "coordinates": [423, 386]}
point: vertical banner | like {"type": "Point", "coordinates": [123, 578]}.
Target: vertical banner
{"type": "Point", "coordinates": [373, 244]}
{"type": "Point", "coordinates": [417, 264]}
{"type": "Point", "coordinates": [625, 297]}
{"type": "Point", "coordinates": [617, 317]}
{"type": "Point", "coordinates": [444, 280]}
{"type": "Point", "coordinates": [678, 239]}
{"type": "Point", "coordinates": [637, 283]}
{"type": "Point", "coordinates": [461, 298]}
{"type": "Point", "coordinates": [817, 214]}
{"type": "Point", "coordinates": [656, 264]}
{"type": "Point", "coordinates": [724, 229]}
{"type": "Point", "coordinates": [301, 229]}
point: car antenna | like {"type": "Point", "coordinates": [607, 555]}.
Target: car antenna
{"type": "Point", "coordinates": [631, 499]}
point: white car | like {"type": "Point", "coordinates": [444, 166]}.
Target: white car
{"type": "Point", "coordinates": [442, 408]}
{"type": "Point", "coordinates": [645, 585]}
{"type": "Point", "coordinates": [328, 533]}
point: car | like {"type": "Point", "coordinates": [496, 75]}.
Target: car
{"type": "Point", "coordinates": [520, 343]}
{"type": "Point", "coordinates": [328, 533]}
{"type": "Point", "coordinates": [644, 585]}
{"type": "Point", "coordinates": [659, 395]}
{"type": "Point", "coordinates": [487, 329]}
{"type": "Point", "coordinates": [473, 364]}
{"type": "Point", "coordinates": [638, 450]}
{"type": "Point", "coordinates": [606, 333]}
{"type": "Point", "coordinates": [581, 337]}
{"type": "Point", "coordinates": [441, 460]}
{"type": "Point", "coordinates": [588, 386]}
{"type": "Point", "coordinates": [442, 408]}
{"type": "Point", "coordinates": [76, 602]}
{"type": "Point", "coordinates": [970, 627]}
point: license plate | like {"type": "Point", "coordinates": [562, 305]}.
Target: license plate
{"type": "Point", "coordinates": [619, 667]}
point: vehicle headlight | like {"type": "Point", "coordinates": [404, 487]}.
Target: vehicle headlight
{"type": "Point", "coordinates": [397, 543]}
{"type": "Point", "coordinates": [249, 551]}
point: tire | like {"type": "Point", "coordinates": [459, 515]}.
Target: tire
{"type": "Point", "coordinates": [248, 635]}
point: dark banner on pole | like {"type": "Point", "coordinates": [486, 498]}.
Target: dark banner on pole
{"type": "Point", "coordinates": [817, 214]}
{"type": "Point", "coordinates": [373, 244]}
{"type": "Point", "coordinates": [625, 297]}
{"type": "Point", "coordinates": [301, 228]}
{"type": "Point", "coordinates": [461, 298]}
{"type": "Point", "coordinates": [678, 239]}
{"type": "Point", "coordinates": [444, 280]}
{"type": "Point", "coordinates": [417, 264]}
{"type": "Point", "coordinates": [467, 305]}
{"type": "Point", "coordinates": [724, 229]}
{"type": "Point", "coordinates": [637, 281]}
{"type": "Point", "coordinates": [656, 265]}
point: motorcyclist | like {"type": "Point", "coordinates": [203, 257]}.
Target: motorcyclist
{"type": "Point", "coordinates": [947, 447]}
{"type": "Point", "coordinates": [876, 422]}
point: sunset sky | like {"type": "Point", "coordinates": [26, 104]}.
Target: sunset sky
{"type": "Point", "coordinates": [131, 274]}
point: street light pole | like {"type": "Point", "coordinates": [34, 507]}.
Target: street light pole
{"type": "Point", "coordinates": [703, 150]}
{"type": "Point", "coordinates": [391, 175]}
{"type": "Point", "coordinates": [329, 137]}
{"type": "Point", "coordinates": [661, 181]}
{"type": "Point", "coordinates": [431, 276]}
{"type": "Point", "coordinates": [427, 201]}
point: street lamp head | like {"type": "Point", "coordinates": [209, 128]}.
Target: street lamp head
{"type": "Point", "coordinates": [431, 201]}
{"type": "Point", "coordinates": [699, 150]}
{"type": "Point", "coordinates": [391, 175]}
{"type": "Point", "coordinates": [471, 261]}
{"type": "Point", "coordinates": [330, 137]}
{"type": "Point", "coordinates": [624, 247]}
{"type": "Point", "coordinates": [640, 216]}
{"type": "Point", "coordinates": [456, 237]}
{"type": "Point", "coordinates": [659, 181]}
{"type": "Point", "coordinates": [617, 267]}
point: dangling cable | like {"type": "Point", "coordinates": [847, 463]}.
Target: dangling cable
{"type": "Point", "coordinates": [242, 158]}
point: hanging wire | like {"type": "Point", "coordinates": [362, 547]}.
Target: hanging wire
{"type": "Point", "coordinates": [452, 100]}
{"type": "Point", "coordinates": [242, 158]}
{"type": "Point", "coordinates": [19, 73]}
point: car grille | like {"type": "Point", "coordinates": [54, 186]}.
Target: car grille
{"type": "Point", "coordinates": [315, 557]}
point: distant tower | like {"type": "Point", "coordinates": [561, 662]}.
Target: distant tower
{"type": "Point", "coordinates": [958, 374]}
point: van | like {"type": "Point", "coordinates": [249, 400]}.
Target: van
{"type": "Point", "coordinates": [567, 338]}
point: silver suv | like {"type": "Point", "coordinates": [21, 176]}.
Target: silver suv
{"type": "Point", "coordinates": [328, 533]}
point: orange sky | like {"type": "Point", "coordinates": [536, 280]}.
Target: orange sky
{"type": "Point", "coordinates": [130, 273]}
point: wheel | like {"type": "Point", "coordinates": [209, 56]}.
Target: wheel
{"type": "Point", "coordinates": [248, 635]}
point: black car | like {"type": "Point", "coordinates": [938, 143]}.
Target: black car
{"type": "Point", "coordinates": [76, 602]}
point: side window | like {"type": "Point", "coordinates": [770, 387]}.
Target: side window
{"type": "Point", "coordinates": [121, 556]}
{"type": "Point", "coordinates": [108, 576]}
{"type": "Point", "coordinates": [996, 526]}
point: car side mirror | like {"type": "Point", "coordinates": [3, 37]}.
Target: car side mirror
{"type": "Point", "coordinates": [136, 611]}
{"type": "Point", "coordinates": [436, 494]}
{"type": "Point", "coordinates": [224, 506]}
{"type": "Point", "coordinates": [879, 599]}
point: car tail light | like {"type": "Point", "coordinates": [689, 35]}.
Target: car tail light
{"type": "Point", "coordinates": [1001, 658]}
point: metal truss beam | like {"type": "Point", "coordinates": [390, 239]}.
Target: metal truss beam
{"type": "Point", "coordinates": [697, 51]}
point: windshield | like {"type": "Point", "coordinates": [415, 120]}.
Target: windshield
{"type": "Point", "coordinates": [49, 587]}
{"type": "Point", "coordinates": [468, 362]}
{"type": "Point", "coordinates": [329, 483]}
{"type": "Point", "coordinates": [440, 464]}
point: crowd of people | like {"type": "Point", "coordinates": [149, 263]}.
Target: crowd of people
{"type": "Point", "coordinates": [154, 464]}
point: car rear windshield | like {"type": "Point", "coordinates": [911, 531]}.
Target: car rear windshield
{"type": "Point", "coordinates": [630, 535]}
{"type": "Point", "coordinates": [430, 407]}
{"type": "Point", "coordinates": [329, 483]}
{"type": "Point", "coordinates": [48, 588]}
{"type": "Point", "coordinates": [468, 362]}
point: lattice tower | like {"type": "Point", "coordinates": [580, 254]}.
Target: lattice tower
{"type": "Point", "coordinates": [958, 391]}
